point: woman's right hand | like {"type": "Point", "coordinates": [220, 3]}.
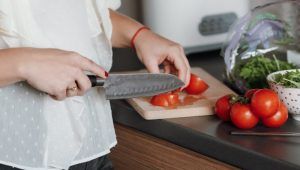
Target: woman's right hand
{"type": "Point", "coordinates": [55, 71]}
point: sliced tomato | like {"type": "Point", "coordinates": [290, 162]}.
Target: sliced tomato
{"type": "Point", "coordinates": [165, 99]}
{"type": "Point", "coordinates": [176, 91]}
{"type": "Point", "coordinates": [278, 119]}
{"type": "Point", "coordinates": [196, 85]}
{"type": "Point", "coordinates": [242, 116]}
{"type": "Point", "coordinates": [173, 99]}
{"type": "Point", "coordinates": [265, 103]}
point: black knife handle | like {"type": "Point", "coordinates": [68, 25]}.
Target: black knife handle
{"type": "Point", "coordinates": [96, 81]}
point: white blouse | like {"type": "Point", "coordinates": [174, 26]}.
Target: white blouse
{"type": "Point", "coordinates": [37, 132]}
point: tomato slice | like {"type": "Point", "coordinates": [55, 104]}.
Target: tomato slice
{"type": "Point", "coordinates": [242, 116]}
{"type": "Point", "coordinates": [278, 119]}
{"type": "Point", "coordinates": [165, 99]}
{"type": "Point", "coordinates": [265, 103]}
{"type": "Point", "coordinates": [173, 99]}
{"type": "Point", "coordinates": [196, 85]}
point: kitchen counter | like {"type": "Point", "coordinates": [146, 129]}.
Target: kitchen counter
{"type": "Point", "coordinates": [209, 136]}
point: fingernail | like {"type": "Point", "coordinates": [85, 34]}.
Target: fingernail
{"type": "Point", "coordinates": [106, 74]}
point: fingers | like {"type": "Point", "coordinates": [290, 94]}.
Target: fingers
{"type": "Point", "coordinates": [88, 65]}
{"type": "Point", "coordinates": [175, 59]}
{"type": "Point", "coordinates": [188, 72]}
{"type": "Point", "coordinates": [167, 67]}
{"type": "Point", "coordinates": [181, 67]}
{"type": "Point", "coordinates": [78, 87]}
{"type": "Point", "coordinates": [152, 66]}
{"type": "Point", "coordinates": [72, 90]}
{"type": "Point", "coordinates": [59, 94]}
{"type": "Point", "coordinates": [84, 84]}
{"type": "Point", "coordinates": [181, 63]}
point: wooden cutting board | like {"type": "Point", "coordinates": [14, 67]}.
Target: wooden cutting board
{"type": "Point", "coordinates": [192, 105]}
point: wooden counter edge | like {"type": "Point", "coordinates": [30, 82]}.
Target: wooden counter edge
{"type": "Point", "coordinates": [139, 151]}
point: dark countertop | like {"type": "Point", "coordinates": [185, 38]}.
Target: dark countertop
{"type": "Point", "coordinates": [209, 136]}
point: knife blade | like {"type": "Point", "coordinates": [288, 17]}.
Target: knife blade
{"type": "Point", "coordinates": [250, 133]}
{"type": "Point", "coordinates": [123, 86]}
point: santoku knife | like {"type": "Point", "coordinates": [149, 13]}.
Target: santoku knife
{"type": "Point", "coordinates": [123, 86]}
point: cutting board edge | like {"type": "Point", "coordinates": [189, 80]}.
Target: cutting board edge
{"type": "Point", "coordinates": [160, 114]}
{"type": "Point", "coordinates": [154, 116]}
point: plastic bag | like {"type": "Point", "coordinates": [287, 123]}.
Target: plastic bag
{"type": "Point", "coordinates": [265, 40]}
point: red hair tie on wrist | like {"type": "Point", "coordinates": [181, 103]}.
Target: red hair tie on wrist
{"type": "Point", "coordinates": [136, 34]}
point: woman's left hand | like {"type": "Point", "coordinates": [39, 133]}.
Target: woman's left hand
{"type": "Point", "coordinates": [154, 50]}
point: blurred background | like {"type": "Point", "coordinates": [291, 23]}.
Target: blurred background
{"type": "Point", "coordinates": [198, 25]}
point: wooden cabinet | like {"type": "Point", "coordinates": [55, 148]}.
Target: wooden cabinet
{"type": "Point", "coordinates": [139, 151]}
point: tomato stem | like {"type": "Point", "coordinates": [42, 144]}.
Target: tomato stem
{"type": "Point", "coordinates": [238, 99]}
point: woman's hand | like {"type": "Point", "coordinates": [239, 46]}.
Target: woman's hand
{"type": "Point", "coordinates": [154, 50]}
{"type": "Point", "coordinates": [151, 48]}
{"type": "Point", "coordinates": [55, 71]}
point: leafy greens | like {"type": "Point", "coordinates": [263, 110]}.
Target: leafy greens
{"type": "Point", "coordinates": [290, 79]}
{"type": "Point", "coordinates": [256, 69]}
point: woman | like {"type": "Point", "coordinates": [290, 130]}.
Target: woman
{"type": "Point", "coordinates": [50, 117]}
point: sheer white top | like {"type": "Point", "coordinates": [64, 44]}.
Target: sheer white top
{"type": "Point", "coordinates": [37, 132]}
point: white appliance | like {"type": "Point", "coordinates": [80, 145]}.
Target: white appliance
{"type": "Point", "coordinates": [198, 25]}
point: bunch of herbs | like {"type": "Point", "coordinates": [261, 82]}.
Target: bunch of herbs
{"type": "Point", "coordinates": [254, 71]}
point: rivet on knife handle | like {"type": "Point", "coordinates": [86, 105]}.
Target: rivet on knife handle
{"type": "Point", "coordinates": [96, 81]}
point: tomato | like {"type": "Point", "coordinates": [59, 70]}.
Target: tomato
{"type": "Point", "coordinates": [165, 99]}
{"type": "Point", "coordinates": [176, 91]}
{"type": "Point", "coordinates": [196, 85]}
{"type": "Point", "coordinates": [173, 99]}
{"type": "Point", "coordinates": [160, 100]}
{"type": "Point", "coordinates": [278, 119]}
{"type": "Point", "coordinates": [222, 107]}
{"type": "Point", "coordinates": [264, 103]}
{"type": "Point", "coordinates": [250, 93]}
{"type": "Point", "coordinates": [242, 116]}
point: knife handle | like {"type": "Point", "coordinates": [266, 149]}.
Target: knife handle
{"type": "Point", "coordinates": [96, 81]}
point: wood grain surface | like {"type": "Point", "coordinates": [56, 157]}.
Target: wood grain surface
{"type": "Point", "coordinates": [139, 151]}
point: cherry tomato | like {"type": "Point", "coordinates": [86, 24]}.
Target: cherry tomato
{"type": "Point", "coordinates": [250, 93]}
{"type": "Point", "coordinates": [264, 103]}
{"type": "Point", "coordinates": [278, 119]}
{"type": "Point", "coordinates": [222, 107]}
{"type": "Point", "coordinates": [196, 85]}
{"type": "Point", "coordinates": [242, 116]}
{"type": "Point", "coordinates": [165, 99]}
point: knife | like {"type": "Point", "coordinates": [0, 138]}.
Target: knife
{"type": "Point", "coordinates": [249, 133]}
{"type": "Point", "coordinates": [123, 86]}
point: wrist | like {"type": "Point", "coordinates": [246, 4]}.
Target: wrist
{"type": "Point", "coordinates": [136, 35]}
{"type": "Point", "coordinates": [20, 63]}
{"type": "Point", "coordinates": [10, 62]}
{"type": "Point", "coordinates": [21, 70]}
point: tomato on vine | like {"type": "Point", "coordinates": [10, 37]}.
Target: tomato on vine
{"type": "Point", "coordinates": [264, 103]}
{"type": "Point", "coordinates": [242, 116]}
